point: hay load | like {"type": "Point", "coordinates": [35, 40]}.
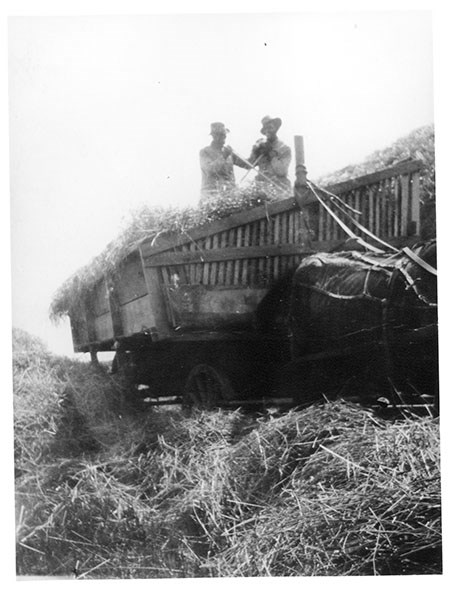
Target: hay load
{"type": "Point", "coordinates": [147, 224]}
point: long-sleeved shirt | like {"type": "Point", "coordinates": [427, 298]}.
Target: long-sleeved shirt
{"type": "Point", "coordinates": [217, 171]}
{"type": "Point", "coordinates": [274, 164]}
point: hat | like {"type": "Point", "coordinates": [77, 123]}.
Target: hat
{"type": "Point", "coordinates": [218, 128]}
{"type": "Point", "coordinates": [266, 120]}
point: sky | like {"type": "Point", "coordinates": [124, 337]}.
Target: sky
{"type": "Point", "coordinates": [107, 113]}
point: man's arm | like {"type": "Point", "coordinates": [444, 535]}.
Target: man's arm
{"type": "Point", "coordinates": [280, 161]}
{"type": "Point", "coordinates": [211, 165]}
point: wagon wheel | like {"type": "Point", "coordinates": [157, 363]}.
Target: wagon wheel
{"type": "Point", "coordinates": [206, 388]}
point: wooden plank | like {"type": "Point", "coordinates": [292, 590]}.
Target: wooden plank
{"type": "Point", "coordinates": [246, 242]}
{"type": "Point", "coordinates": [114, 307]}
{"type": "Point", "coordinates": [381, 210]}
{"type": "Point", "coordinates": [137, 316]}
{"type": "Point", "coordinates": [103, 327]}
{"type": "Point", "coordinates": [89, 312]}
{"type": "Point", "coordinates": [371, 222]}
{"type": "Point", "coordinates": [79, 329]}
{"type": "Point", "coordinates": [404, 204]}
{"type": "Point", "coordinates": [320, 223]}
{"type": "Point", "coordinates": [392, 207]}
{"type": "Point", "coordinates": [213, 271]}
{"type": "Point", "coordinates": [376, 211]}
{"type": "Point", "coordinates": [130, 279]}
{"type": "Point", "coordinates": [262, 262]}
{"type": "Point", "coordinates": [163, 243]}
{"type": "Point", "coordinates": [99, 298]}
{"type": "Point", "coordinates": [237, 263]}
{"type": "Point", "coordinates": [193, 267]}
{"type": "Point", "coordinates": [291, 237]}
{"type": "Point", "coordinates": [214, 306]}
{"type": "Point", "coordinates": [221, 264]}
{"type": "Point", "coordinates": [415, 205]}
{"type": "Point", "coordinates": [371, 178]}
{"type": "Point", "coordinates": [148, 248]}
{"type": "Point", "coordinates": [206, 265]}
{"type": "Point", "coordinates": [222, 254]}
{"type": "Point", "coordinates": [229, 265]}
{"type": "Point", "coordinates": [156, 301]}
{"type": "Point", "coordinates": [397, 206]}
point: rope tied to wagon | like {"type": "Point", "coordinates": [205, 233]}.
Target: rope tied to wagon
{"type": "Point", "coordinates": [347, 229]}
{"type": "Point", "coordinates": [342, 225]}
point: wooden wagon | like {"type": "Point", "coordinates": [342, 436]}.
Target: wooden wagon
{"type": "Point", "coordinates": [182, 309]}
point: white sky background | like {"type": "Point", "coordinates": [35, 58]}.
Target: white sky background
{"type": "Point", "coordinates": [107, 113]}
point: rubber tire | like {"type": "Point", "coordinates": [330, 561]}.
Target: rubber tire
{"type": "Point", "coordinates": [207, 388]}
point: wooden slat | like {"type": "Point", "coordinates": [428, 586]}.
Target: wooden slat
{"type": "Point", "coordinates": [405, 201]}
{"type": "Point", "coordinates": [415, 201]}
{"type": "Point", "coordinates": [162, 244]}
{"type": "Point", "coordinates": [237, 264]}
{"type": "Point", "coordinates": [375, 207]}
{"type": "Point", "coordinates": [207, 267]}
{"type": "Point", "coordinates": [213, 271]}
{"type": "Point", "coordinates": [221, 265]}
{"type": "Point", "coordinates": [222, 254]}
{"type": "Point", "coordinates": [393, 207]}
{"type": "Point", "coordinates": [371, 178]}
{"type": "Point", "coordinates": [114, 307]}
{"type": "Point", "coordinates": [262, 262]}
{"type": "Point", "coordinates": [192, 268]}
{"type": "Point", "coordinates": [396, 193]}
{"type": "Point", "coordinates": [320, 223]}
{"type": "Point", "coordinates": [229, 265]}
{"type": "Point", "coordinates": [381, 210]}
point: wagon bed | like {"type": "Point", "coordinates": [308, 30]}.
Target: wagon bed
{"type": "Point", "coordinates": [211, 279]}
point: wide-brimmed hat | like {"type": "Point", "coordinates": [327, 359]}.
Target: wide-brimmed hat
{"type": "Point", "coordinates": [218, 128]}
{"type": "Point", "coordinates": [266, 120]}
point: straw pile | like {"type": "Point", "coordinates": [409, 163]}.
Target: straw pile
{"type": "Point", "coordinates": [105, 490]}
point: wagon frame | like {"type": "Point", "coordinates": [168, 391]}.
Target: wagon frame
{"type": "Point", "coordinates": [181, 309]}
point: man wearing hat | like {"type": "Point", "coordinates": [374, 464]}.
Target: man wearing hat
{"type": "Point", "coordinates": [272, 157]}
{"type": "Point", "coordinates": [216, 163]}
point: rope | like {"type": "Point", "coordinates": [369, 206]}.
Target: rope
{"type": "Point", "coordinates": [413, 256]}
{"type": "Point", "coordinates": [358, 212]}
{"type": "Point", "coordinates": [343, 226]}
{"type": "Point", "coordinates": [253, 166]}
{"type": "Point", "coordinates": [356, 223]}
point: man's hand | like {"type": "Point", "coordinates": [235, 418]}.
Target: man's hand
{"type": "Point", "coordinates": [259, 148]}
{"type": "Point", "coordinates": [227, 151]}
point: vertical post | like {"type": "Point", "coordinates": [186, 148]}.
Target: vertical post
{"type": "Point", "coordinates": [300, 188]}
{"type": "Point", "coordinates": [404, 203]}
{"type": "Point", "coordinates": [94, 357]}
{"type": "Point", "coordinates": [300, 169]}
{"type": "Point", "coordinates": [414, 225]}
